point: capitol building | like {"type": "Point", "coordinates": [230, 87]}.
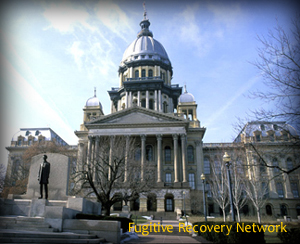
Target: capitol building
{"type": "Point", "coordinates": [162, 119]}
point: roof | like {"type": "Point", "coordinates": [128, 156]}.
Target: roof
{"type": "Point", "coordinates": [48, 133]}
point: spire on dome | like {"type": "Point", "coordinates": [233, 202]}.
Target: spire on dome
{"type": "Point", "coordinates": [145, 25]}
{"type": "Point", "coordinates": [145, 12]}
{"type": "Point", "coordinates": [94, 91]}
{"type": "Point", "coordinates": [185, 91]}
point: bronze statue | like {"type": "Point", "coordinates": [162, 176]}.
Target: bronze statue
{"type": "Point", "coordinates": [43, 177]}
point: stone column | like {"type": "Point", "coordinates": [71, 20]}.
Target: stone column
{"type": "Point", "coordinates": [199, 162]}
{"type": "Point", "coordinates": [175, 140]}
{"type": "Point", "coordinates": [159, 151]}
{"type": "Point", "coordinates": [287, 185]}
{"type": "Point", "coordinates": [139, 98]}
{"type": "Point", "coordinates": [155, 100]}
{"type": "Point", "coordinates": [143, 155]}
{"type": "Point", "coordinates": [130, 99]}
{"type": "Point", "coordinates": [272, 191]}
{"type": "Point", "coordinates": [147, 99]}
{"type": "Point", "coordinates": [80, 156]}
{"type": "Point", "coordinates": [96, 159]}
{"type": "Point", "coordinates": [110, 157]}
{"type": "Point", "coordinates": [183, 153]}
{"type": "Point", "coordinates": [126, 159]}
{"type": "Point", "coordinates": [159, 101]}
{"type": "Point", "coordinates": [126, 100]}
{"type": "Point", "coordinates": [90, 141]}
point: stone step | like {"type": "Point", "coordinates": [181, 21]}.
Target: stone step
{"type": "Point", "coordinates": [50, 241]}
{"type": "Point", "coordinates": [14, 236]}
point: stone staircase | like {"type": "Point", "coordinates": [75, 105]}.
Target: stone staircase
{"type": "Point", "coordinates": [25, 223]}
{"type": "Point", "coordinates": [15, 236]}
{"type": "Point", "coordinates": [34, 230]}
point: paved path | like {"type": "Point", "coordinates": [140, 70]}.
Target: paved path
{"type": "Point", "coordinates": [164, 239]}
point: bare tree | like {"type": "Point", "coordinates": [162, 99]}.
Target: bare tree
{"type": "Point", "coordinates": [256, 189]}
{"type": "Point", "coordinates": [238, 183]}
{"type": "Point", "coordinates": [279, 63]}
{"type": "Point", "coordinates": [2, 176]}
{"type": "Point", "coordinates": [115, 173]}
{"type": "Point", "coordinates": [219, 186]}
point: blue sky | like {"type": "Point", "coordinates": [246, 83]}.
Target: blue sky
{"type": "Point", "coordinates": [53, 54]}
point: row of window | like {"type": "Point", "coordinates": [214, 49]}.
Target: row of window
{"type": "Point", "coordinates": [191, 179]}
{"type": "Point", "coordinates": [167, 154]}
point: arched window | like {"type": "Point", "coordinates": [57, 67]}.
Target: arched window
{"type": "Point", "coordinates": [167, 154]}
{"type": "Point", "coordinates": [283, 210]}
{"type": "Point", "coordinates": [206, 166]}
{"type": "Point", "coordinates": [269, 210]}
{"type": "Point", "coordinates": [190, 154]}
{"type": "Point", "coordinates": [149, 153]}
{"type": "Point", "coordinates": [151, 202]}
{"type": "Point", "coordinates": [150, 73]}
{"type": "Point", "coordinates": [136, 74]}
{"type": "Point", "coordinates": [143, 73]}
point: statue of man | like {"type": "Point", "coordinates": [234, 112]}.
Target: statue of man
{"type": "Point", "coordinates": [43, 177]}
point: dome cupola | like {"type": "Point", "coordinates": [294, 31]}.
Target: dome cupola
{"type": "Point", "coordinates": [186, 97]}
{"type": "Point", "coordinates": [93, 101]}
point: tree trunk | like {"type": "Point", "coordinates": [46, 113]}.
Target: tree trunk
{"type": "Point", "coordinates": [238, 215]}
{"type": "Point", "coordinates": [224, 215]}
{"type": "Point", "coordinates": [258, 215]}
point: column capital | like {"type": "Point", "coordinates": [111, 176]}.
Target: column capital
{"type": "Point", "coordinates": [143, 137]}
{"type": "Point", "coordinates": [90, 137]}
{"type": "Point", "coordinates": [198, 143]}
{"type": "Point", "coordinates": [175, 136]}
{"type": "Point", "coordinates": [97, 138]}
{"type": "Point", "coordinates": [182, 136]}
{"type": "Point", "coordinates": [159, 137]}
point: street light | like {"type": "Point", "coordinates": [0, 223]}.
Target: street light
{"type": "Point", "coordinates": [227, 159]}
{"type": "Point", "coordinates": [204, 202]}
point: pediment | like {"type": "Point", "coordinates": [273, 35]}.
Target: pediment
{"type": "Point", "coordinates": [137, 116]}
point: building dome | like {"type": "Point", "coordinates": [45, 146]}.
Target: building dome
{"type": "Point", "coordinates": [93, 101]}
{"type": "Point", "coordinates": [145, 48]}
{"type": "Point", "coordinates": [186, 97]}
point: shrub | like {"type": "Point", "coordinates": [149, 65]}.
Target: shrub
{"type": "Point", "coordinates": [234, 236]}
{"type": "Point", "coordinates": [291, 236]}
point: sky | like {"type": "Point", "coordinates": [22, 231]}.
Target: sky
{"type": "Point", "coordinates": [53, 54]}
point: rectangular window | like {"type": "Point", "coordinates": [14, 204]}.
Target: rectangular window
{"type": "Point", "coordinates": [192, 180]}
{"type": "Point", "coordinates": [207, 189]}
{"type": "Point", "coordinates": [206, 166]}
{"type": "Point", "coordinates": [168, 178]}
{"type": "Point", "coordinates": [279, 188]}
{"type": "Point", "coordinates": [295, 191]}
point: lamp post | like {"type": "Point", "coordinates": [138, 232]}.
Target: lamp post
{"type": "Point", "coordinates": [204, 200]}
{"type": "Point", "coordinates": [227, 159]}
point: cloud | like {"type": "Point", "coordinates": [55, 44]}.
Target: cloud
{"type": "Point", "coordinates": [77, 53]}
{"type": "Point", "coordinates": [64, 16]}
